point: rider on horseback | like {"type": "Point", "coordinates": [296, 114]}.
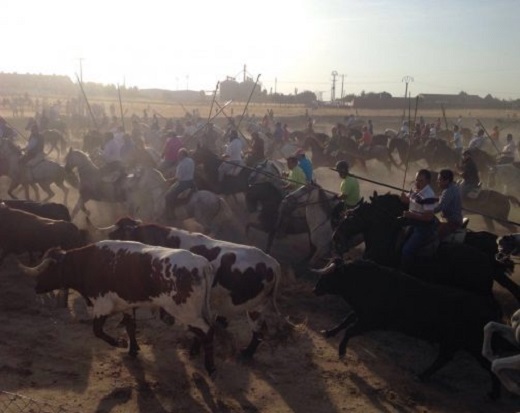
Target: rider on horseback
{"type": "Point", "coordinates": [450, 205]}
{"type": "Point", "coordinates": [232, 157]}
{"type": "Point", "coordinates": [349, 187]}
{"type": "Point", "coordinates": [185, 176]}
{"type": "Point", "coordinates": [420, 217]}
{"type": "Point", "coordinates": [508, 151]}
{"type": "Point", "coordinates": [33, 152]}
{"type": "Point", "coordinates": [469, 172]}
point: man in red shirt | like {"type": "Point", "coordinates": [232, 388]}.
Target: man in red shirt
{"type": "Point", "coordinates": [170, 152]}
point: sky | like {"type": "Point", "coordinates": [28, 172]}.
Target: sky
{"type": "Point", "coordinates": [441, 46]}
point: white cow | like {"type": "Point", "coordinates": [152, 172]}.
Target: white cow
{"type": "Point", "coordinates": [504, 366]}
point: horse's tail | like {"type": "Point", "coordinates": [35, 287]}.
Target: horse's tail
{"type": "Point", "coordinates": [71, 179]}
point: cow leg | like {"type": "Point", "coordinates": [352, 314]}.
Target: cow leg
{"type": "Point", "coordinates": [350, 318]}
{"type": "Point", "coordinates": [98, 324]}
{"type": "Point", "coordinates": [503, 367]}
{"type": "Point", "coordinates": [129, 322]}
{"type": "Point", "coordinates": [443, 357]}
{"type": "Point", "coordinates": [207, 340]}
{"type": "Point", "coordinates": [80, 204]}
{"type": "Point", "coordinates": [352, 330]}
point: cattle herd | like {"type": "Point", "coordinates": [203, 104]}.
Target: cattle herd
{"type": "Point", "coordinates": [200, 282]}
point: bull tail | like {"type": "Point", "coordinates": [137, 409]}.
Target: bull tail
{"type": "Point", "coordinates": [208, 275]}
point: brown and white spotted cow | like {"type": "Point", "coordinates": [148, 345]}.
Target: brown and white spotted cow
{"type": "Point", "coordinates": [119, 276]}
{"type": "Point", "coordinates": [245, 278]}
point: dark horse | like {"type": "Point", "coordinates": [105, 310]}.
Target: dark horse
{"type": "Point", "coordinates": [471, 265]}
{"type": "Point", "coordinates": [210, 161]}
{"type": "Point", "coordinates": [54, 138]}
{"type": "Point", "coordinates": [267, 197]}
{"type": "Point", "coordinates": [349, 151]}
{"type": "Point", "coordinates": [91, 183]}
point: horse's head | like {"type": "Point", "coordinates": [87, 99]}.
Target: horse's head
{"type": "Point", "coordinates": [262, 193]}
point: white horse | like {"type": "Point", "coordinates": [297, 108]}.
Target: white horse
{"type": "Point", "coordinates": [319, 205]}
{"type": "Point", "coordinates": [503, 367]}
{"type": "Point", "coordinates": [145, 191]}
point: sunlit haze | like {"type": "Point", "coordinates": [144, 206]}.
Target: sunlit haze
{"type": "Point", "coordinates": [445, 46]}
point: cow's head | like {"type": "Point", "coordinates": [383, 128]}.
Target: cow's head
{"type": "Point", "coordinates": [330, 277]}
{"type": "Point", "coordinates": [124, 229]}
{"type": "Point", "coordinates": [49, 273]}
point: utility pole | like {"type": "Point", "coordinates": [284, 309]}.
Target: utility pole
{"type": "Point", "coordinates": [275, 84]}
{"type": "Point", "coordinates": [407, 79]}
{"type": "Point", "coordinates": [342, 82]}
{"type": "Point", "coordinates": [245, 71]}
{"type": "Point", "coordinates": [333, 91]}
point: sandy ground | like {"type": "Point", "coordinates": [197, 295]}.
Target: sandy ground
{"type": "Point", "coordinates": [51, 359]}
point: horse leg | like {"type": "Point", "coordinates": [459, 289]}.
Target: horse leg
{"type": "Point", "coordinates": [80, 204]}
{"type": "Point", "coordinates": [34, 186]}
{"type": "Point", "coordinates": [59, 183]}
{"type": "Point", "coordinates": [47, 188]}
{"type": "Point", "coordinates": [11, 188]}
{"type": "Point", "coordinates": [507, 283]}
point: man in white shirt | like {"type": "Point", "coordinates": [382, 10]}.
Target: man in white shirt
{"type": "Point", "coordinates": [508, 151]}
{"type": "Point", "coordinates": [112, 149]}
{"type": "Point", "coordinates": [232, 157]}
{"type": "Point", "coordinates": [420, 215]}
{"type": "Point", "coordinates": [477, 142]}
{"type": "Point", "coordinates": [185, 176]}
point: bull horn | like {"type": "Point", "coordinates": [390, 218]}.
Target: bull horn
{"type": "Point", "coordinates": [35, 271]}
{"type": "Point", "coordinates": [91, 225]}
{"type": "Point", "coordinates": [330, 267]}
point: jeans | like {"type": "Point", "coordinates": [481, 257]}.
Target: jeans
{"type": "Point", "coordinates": [171, 194]}
{"type": "Point", "coordinates": [419, 237]}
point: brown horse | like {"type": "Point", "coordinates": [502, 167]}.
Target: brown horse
{"type": "Point", "coordinates": [54, 138]}
{"type": "Point", "coordinates": [490, 204]}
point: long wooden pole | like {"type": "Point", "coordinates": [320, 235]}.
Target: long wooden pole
{"type": "Point", "coordinates": [213, 100]}
{"type": "Point", "coordinates": [88, 104]}
{"type": "Point", "coordinates": [121, 108]}
{"type": "Point", "coordinates": [489, 137]}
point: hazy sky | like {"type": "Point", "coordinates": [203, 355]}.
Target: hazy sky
{"type": "Point", "coordinates": [446, 46]}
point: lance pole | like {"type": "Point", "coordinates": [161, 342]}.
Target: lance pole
{"type": "Point", "coordinates": [487, 134]}
{"type": "Point", "coordinates": [14, 129]}
{"type": "Point", "coordinates": [121, 108]}
{"type": "Point", "coordinates": [248, 100]}
{"type": "Point", "coordinates": [86, 101]}
{"type": "Point", "coordinates": [213, 100]}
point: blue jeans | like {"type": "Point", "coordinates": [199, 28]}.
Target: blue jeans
{"type": "Point", "coordinates": [171, 194]}
{"type": "Point", "coordinates": [421, 234]}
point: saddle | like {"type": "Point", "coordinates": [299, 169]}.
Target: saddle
{"type": "Point", "coordinates": [234, 171]}
{"type": "Point", "coordinates": [184, 196]}
{"type": "Point", "coordinates": [31, 165]}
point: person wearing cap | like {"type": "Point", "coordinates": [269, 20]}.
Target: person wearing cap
{"type": "Point", "coordinates": [232, 157]}
{"type": "Point", "coordinates": [306, 165]}
{"type": "Point", "coordinates": [349, 186]}
{"type": "Point", "coordinates": [477, 141]}
{"type": "Point", "coordinates": [469, 174]}
{"type": "Point", "coordinates": [185, 176]}
{"type": "Point", "coordinates": [508, 151]}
